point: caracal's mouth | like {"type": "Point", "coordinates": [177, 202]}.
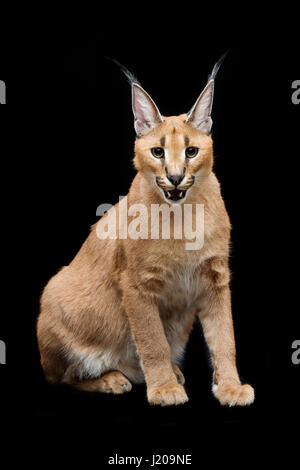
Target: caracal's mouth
{"type": "Point", "coordinates": [175, 194]}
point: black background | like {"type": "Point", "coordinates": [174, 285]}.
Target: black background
{"type": "Point", "coordinates": [68, 128]}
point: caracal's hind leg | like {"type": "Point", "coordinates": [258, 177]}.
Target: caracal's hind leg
{"type": "Point", "coordinates": [179, 374]}
{"type": "Point", "coordinates": [110, 382]}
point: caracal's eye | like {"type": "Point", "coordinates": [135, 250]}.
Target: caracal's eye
{"type": "Point", "coordinates": [158, 152]}
{"type": "Point", "coordinates": [191, 152]}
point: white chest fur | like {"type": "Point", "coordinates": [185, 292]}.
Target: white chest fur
{"type": "Point", "coordinates": [182, 288]}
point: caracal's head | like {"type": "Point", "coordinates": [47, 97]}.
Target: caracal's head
{"type": "Point", "coordinates": [174, 154]}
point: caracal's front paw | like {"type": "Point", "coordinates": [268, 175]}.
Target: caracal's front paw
{"type": "Point", "coordinates": [173, 394]}
{"type": "Point", "coordinates": [234, 394]}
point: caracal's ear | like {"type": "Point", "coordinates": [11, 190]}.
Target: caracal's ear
{"type": "Point", "coordinates": [146, 113]}
{"type": "Point", "coordinates": [200, 114]}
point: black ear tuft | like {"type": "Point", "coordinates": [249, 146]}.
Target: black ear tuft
{"type": "Point", "coordinates": [215, 70]}
{"type": "Point", "coordinates": [130, 77]}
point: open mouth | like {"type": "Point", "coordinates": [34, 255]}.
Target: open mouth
{"type": "Point", "coordinates": [175, 194]}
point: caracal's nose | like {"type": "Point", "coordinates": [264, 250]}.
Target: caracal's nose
{"type": "Point", "coordinates": [176, 179]}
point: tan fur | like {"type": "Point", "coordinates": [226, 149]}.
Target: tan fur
{"type": "Point", "coordinates": [123, 309]}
